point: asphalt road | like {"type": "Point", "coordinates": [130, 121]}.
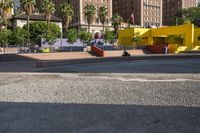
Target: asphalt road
{"type": "Point", "coordinates": [136, 66]}
{"type": "Point", "coordinates": [121, 97]}
{"type": "Point", "coordinates": [100, 103]}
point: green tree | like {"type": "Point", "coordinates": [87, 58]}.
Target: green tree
{"type": "Point", "coordinates": [48, 8]}
{"type": "Point", "coordinates": [116, 22]}
{"type": "Point", "coordinates": [29, 8]}
{"type": "Point", "coordinates": [137, 39]}
{"type": "Point", "coordinates": [85, 37]}
{"type": "Point", "coordinates": [18, 36]}
{"type": "Point", "coordinates": [66, 11]}
{"type": "Point", "coordinates": [72, 36]}
{"type": "Point", "coordinates": [109, 36]}
{"type": "Point", "coordinates": [6, 7]}
{"type": "Point", "coordinates": [5, 35]}
{"type": "Point", "coordinates": [89, 12]}
{"type": "Point", "coordinates": [189, 15]}
{"type": "Point", "coordinates": [50, 38]}
{"type": "Point", "coordinates": [103, 14]}
{"type": "Point", "coordinates": [38, 30]}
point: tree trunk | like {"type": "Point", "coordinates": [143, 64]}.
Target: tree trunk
{"type": "Point", "coordinates": [66, 25]}
{"type": "Point", "coordinates": [28, 23]}
{"type": "Point", "coordinates": [6, 24]}
{"type": "Point", "coordinates": [4, 49]}
{"type": "Point", "coordinates": [103, 27]}
{"type": "Point", "coordinates": [6, 19]}
{"type": "Point", "coordinates": [48, 25]}
{"type": "Point", "coordinates": [88, 27]}
{"type": "Point", "coordinates": [48, 21]}
{"type": "Point", "coordinates": [71, 47]}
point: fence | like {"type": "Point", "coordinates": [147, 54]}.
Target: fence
{"type": "Point", "coordinates": [9, 50]}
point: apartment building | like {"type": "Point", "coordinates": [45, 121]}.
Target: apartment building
{"type": "Point", "coordinates": [79, 20]}
{"type": "Point", "coordinates": [146, 13]}
{"type": "Point", "coordinates": [170, 7]}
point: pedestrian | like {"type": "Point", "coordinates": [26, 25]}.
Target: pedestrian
{"type": "Point", "coordinates": [166, 49]}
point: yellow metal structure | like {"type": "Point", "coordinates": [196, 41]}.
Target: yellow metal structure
{"type": "Point", "coordinates": [188, 32]}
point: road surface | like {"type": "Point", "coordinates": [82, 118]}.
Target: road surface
{"type": "Point", "coordinates": [129, 97]}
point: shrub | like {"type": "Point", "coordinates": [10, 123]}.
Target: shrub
{"type": "Point", "coordinates": [18, 37]}
{"type": "Point", "coordinates": [109, 36]}
{"type": "Point", "coordinates": [5, 36]}
{"type": "Point", "coordinates": [85, 37]}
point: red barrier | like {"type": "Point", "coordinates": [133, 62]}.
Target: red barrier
{"type": "Point", "coordinates": [97, 51]}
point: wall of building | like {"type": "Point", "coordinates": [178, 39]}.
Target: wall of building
{"type": "Point", "coordinates": [146, 12]}
{"type": "Point", "coordinates": [21, 23]}
{"type": "Point", "coordinates": [148, 34]}
{"type": "Point", "coordinates": [126, 35]}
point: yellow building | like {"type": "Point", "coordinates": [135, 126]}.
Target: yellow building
{"type": "Point", "coordinates": [178, 38]}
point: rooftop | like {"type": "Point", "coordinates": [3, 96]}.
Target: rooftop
{"type": "Point", "coordinates": [36, 17]}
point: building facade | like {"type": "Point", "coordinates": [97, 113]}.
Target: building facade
{"type": "Point", "coordinates": [170, 7]}
{"type": "Point", "coordinates": [79, 20]}
{"type": "Point", "coordinates": [21, 20]}
{"type": "Point", "coordinates": [146, 13]}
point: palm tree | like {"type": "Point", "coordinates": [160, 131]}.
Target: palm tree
{"type": "Point", "coordinates": [29, 8]}
{"type": "Point", "coordinates": [67, 13]}
{"type": "Point", "coordinates": [48, 8]}
{"type": "Point", "coordinates": [6, 6]}
{"type": "Point", "coordinates": [89, 11]}
{"type": "Point", "coordinates": [103, 13]}
{"type": "Point", "coordinates": [116, 22]}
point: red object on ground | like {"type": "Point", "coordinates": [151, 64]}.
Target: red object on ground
{"type": "Point", "coordinates": [156, 49]}
{"type": "Point", "coordinates": [97, 51]}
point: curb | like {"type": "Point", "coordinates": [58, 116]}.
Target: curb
{"type": "Point", "coordinates": [113, 59]}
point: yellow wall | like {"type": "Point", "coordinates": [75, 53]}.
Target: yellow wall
{"type": "Point", "coordinates": [125, 36]}
{"type": "Point", "coordinates": [187, 30]}
{"type": "Point", "coordinates": [196, 35]}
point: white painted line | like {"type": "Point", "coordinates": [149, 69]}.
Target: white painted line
{"type": "Point", "coordinates": [143, 80]}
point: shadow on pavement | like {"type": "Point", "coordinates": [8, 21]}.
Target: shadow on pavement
{"type": "Point", "coordinates": [14, 57]}
{"type": "Point", "coordinates": [86, 118]}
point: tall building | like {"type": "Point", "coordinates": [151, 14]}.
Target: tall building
{"type": "Point", "coordinates": [79, 19]}
{"type": "Point", "coordinates": [170, 7]}
{"type": "Point", "coordinates": [146, 12]}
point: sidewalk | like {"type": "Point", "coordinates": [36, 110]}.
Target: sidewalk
{"type": "Point", "coordinates": [113, 59]}
{"type": "Point", "coordinates": [44, 56]}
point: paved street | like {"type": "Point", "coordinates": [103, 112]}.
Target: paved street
{"type": "Point", "coordinates": [143, 97]}
{"type": "Point", "coordinates": [134, 66]}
